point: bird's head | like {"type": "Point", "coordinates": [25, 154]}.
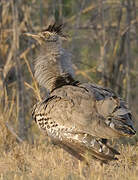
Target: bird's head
{"type": "Point", "coordinates": [51, 34]}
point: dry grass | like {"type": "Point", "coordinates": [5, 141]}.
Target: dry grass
{"type": "Point", "coordinates": [45, 161]}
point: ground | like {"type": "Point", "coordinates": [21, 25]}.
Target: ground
{"type": "Point", "coordinates": [44, 161]}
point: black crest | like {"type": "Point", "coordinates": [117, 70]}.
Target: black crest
{"type": "Point", "coordinates": [55, 28]}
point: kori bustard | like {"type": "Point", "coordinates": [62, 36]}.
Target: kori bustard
{"type": "Point", "coordinates": [80, 117]}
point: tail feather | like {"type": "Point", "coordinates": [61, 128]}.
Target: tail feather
{"type": "Point", "coordinates": [89, 146]}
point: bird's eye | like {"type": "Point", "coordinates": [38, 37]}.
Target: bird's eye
{"type": "Point", "coordinates": [46, 35]}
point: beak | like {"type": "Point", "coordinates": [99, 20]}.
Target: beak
{"type": "Point", "coordinates": [65, 37]}
{"type": "Point", "coordinates": [34, 36]}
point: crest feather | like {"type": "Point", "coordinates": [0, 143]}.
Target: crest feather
{"type": "Point", "coordinates": [56, 29]}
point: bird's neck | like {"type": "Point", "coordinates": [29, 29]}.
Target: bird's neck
{"type": "Point", "coordinates": [50, 70]}
{"type": "Point", "coordinates": [50, 47]}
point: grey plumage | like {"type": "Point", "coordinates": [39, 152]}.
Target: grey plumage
{"type": "Point", "coordinates": [80, 117]}
{"type": "Point", "coordinates": [53, 61]}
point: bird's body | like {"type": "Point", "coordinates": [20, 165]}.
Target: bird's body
{"type": "Point", "coordinates": [80, 116]}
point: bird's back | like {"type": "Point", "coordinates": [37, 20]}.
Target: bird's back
{"type": "Point", "coordinates": [85, 111]}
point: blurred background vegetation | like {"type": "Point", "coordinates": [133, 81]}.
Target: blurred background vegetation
{"type": "Point", "coordinates": [104, 46]}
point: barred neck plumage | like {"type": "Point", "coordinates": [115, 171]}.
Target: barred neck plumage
{"type": "Point", "coordinates": [53, 66]}
{"type": "Point", "coordinates": [53, 48]}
